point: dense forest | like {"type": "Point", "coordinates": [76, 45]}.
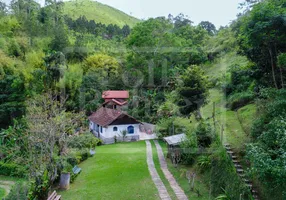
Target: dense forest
{"type": "Point", "coordinates": [54, 68]}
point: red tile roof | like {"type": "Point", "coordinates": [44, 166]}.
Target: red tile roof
{"type": "Point", "coordinates": [113, 94]}
{"type": "Point", "coordinates": [105, 116]}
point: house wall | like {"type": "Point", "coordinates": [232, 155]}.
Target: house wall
{"type": "Point", "coordinates": [109, 133]}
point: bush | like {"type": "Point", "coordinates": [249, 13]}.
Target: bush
{"type": "Point", "coordinates": [86, 140]}
{"type": "Point", "coordinates": [19, 191]}
{"type": "Point", "coordinates": [239, 100]}
{"type": "Point", "coordinates": [12, 169]}
{"type": "Point", "coordinates": [205, 134]}
{"type": "Point", "coordinates": [204, 163]}
{"type": "Point", "coordinates": [84, 153]}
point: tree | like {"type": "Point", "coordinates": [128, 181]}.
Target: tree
{"type": "Point", "coordinates": [262, 36]}
{"type": "Point", "coordinates": [55, 64]}
{"type": "Point", "coordinates": [48, 126]}
{"type": "Point", "coordinates": [12, 90]}
{"type": "Point", "coordinates": [192, 88]}
{"type": "Point", "coordinates": [60, 40]}
{"type": "Point", "coordinates": [209, 27]}
{"type": "Point", "coordinates": [126, 30]}
{"type": "Point", "coordinates": [3, 9]}
{"type": "Point", "coordinates": [104, 65]}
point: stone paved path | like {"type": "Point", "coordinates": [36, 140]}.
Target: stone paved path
{"type": "Point", "coordinates": [175, 186]}
{"type": "Point", "coordinates": [163, 193]}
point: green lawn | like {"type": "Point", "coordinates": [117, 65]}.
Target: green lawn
{"type": "Point", "coordinates": [117, 171]}
{"type": "Point", "coordinates": [6, 183]}
{"type": "Point", "coordinates": [2, 193]}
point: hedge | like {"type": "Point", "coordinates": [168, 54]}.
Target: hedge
{"type": "Point", "coordinates": [12, 169]}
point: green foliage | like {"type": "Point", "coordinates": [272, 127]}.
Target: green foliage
{"type": "Point", "coordinates": [192, 89]}
{"type": "Point", "coordinates": [101, 64]}
{"type": "Point", "coordinates": [205, 134]}
{"type": "Point", "coordinates": [262, 36]}
{"type": "Point", "coordinates": [209, 27]}
{"type": "Point", "coordinates": [224, 178]}
{"type": "Point", "coordinates": [19, 191]}
{"type": "Point", "coordinates": [204, 163]}
{"type": "Point", "coordinates": [267, 153]}
{"type": "Point", "coordinates": [86, 140]}
{"type": "Point", "coordinates": [60, 40]}
{"type": "Point", "coordinates": [11, 169]}
{"type": "Point", "coordinates": [40, 186]}
{"type": "Point", "coordinates": [13, 93]}
{"type": "Point", "coordinates": [238, 100]}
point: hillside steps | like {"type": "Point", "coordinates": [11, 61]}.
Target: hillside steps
{"type": "Point", "coordinates": [240, 170]}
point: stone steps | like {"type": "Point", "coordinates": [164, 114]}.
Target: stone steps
{"type": "Point", "coordinates": [240, 171]}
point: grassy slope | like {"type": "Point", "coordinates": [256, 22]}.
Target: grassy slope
{"type": "Point", "coordinates": [236, 124]}
{"type": "Point", "coordinates": [98, 12]}
{"type": "Point", "coordinates": [117, 171]}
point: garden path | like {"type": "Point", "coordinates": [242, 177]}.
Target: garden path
{"type": "Point", "coordinates": [163, 193]}
{"type": "Point", "coordinates": [173, 183]}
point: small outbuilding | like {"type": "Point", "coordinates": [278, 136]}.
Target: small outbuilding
{"type": "Point", "coordinates": [174, 141]}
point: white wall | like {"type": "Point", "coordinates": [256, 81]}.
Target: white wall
{"type": "Point", "coordinates": [109, 133]}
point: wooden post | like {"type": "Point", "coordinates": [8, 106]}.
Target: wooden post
{"type": "Point", "coordinates": [214, 113]}
{"type": "Point", "coordinates": [193, 182]}
{"type": "Point", "coordinates": [221, 134]}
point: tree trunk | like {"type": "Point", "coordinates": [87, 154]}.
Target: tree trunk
{"type": "Point", "coordinates": [280, 69]}
{"type": "Point", "coordinates": [273, 67]}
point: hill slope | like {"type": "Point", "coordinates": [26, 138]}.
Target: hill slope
{"type": "Point", "coordinates": [98, 12]}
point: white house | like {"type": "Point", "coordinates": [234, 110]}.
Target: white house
{"type": "Point", "coordinates": [110, 121]}
{"type": "Point", "coordinates": [108, 124]}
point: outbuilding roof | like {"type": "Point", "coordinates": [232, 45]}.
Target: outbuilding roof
{"type": "Point", "coordinates": [105, 116]}
{"type": "Point", "coordinates": [175, 139]}
{"type": "Point", "coordinates": [115, 94]}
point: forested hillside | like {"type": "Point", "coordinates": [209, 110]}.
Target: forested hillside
{"type": "Point", "coordinates": [55, 63]}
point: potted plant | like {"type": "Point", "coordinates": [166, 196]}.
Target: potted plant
{"type": "Point", "coordinates": [65, 176]}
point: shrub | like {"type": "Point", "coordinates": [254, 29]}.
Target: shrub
{"type": "Point", "coordinates": [239, 100]}
{"type": "Point", "coordinates": [86, 140]}
{"type": "Point", "coordinates": [205, 134]}
{"type": "Point", "coordinates": [12, 169]}
{"type": "Point", "coordinates": [204, 163]}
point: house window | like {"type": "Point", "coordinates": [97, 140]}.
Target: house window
{"type": "Point", "coordinates": [101, 129]}
{"type": "Point", "coordinates": [130, 129]}
{"type": "Point", "coordinates": [115, 128]}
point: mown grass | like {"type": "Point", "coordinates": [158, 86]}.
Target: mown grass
{"type": "Point", "coordinates": [246, 116]}
{"type": "Point", "coordinates": [117, 171]}
{"type": "Point", "coordinates": [98, 12]}
{"type": "Point", "coordinates": [160, 172]}
{"type": "Point", "coordinates": [2, 193]}
{"type": "Point", "coordinates": [179, 175]}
